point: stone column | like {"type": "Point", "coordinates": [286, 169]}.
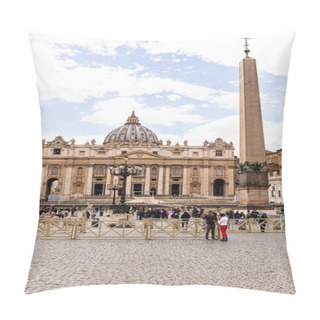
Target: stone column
{"type": "Point", "coordinates": [67, 181]}
{"type": "Point", "coordinates": [185, 181]}
{"type": "Point", "coordinates": [108, 180]}
{"type": "Point", "coordinates": [160, 181]}
{"type": "Point", "coordinates": [231, 180]}
{"type": "Point", "coordinates": [128, 186]}
{"type": "Point", "coordinates": [167, 179]}
{"type": "Point", "coordinates": [147, 181]}
{"type": "Point", "coordinates": [43, 187]}
{"type": "Point", "coordinates": [89, 181]}
{"type": "Point", "coordinates": [205, 180]}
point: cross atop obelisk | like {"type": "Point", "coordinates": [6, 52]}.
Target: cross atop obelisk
{"type": "Point", "coordinates": [246, 47]}
{"type": "Point", "coordinates": [252, 147]}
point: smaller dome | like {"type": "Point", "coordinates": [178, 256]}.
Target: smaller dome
{"type": "Point", "coordinates": [131, 130]}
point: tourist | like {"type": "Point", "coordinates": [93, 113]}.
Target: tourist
{"type": "Point", "coordinates": [223, 222]}
{"type": "Point", "coordinates": [282, 217]}
{"type": "Point", "coordinates": [195, 212]}
{"type": "Point", "coordinates": [237, 217]}
{"type": "Point", "coordinates": [211, 219]}
{"type": "Point", "coordinates": [254, 214]}
{"type": "Point", "coordinates": [262, 221]}
{"type": "Point", "coordinates": [185, 217]}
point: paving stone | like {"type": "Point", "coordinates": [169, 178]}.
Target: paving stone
{"type": "Point", "coordinates": [252, 261]}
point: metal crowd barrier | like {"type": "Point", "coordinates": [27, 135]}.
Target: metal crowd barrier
{"type": "Point", "coordinates": [82, 228]}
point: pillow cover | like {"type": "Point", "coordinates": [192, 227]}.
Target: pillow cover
{"type": "Point", "coordinates": [161, 163]}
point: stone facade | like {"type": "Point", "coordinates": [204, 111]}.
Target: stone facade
{"type": "Point", "coordinates": [274, 160]}
{"type": "Point", "coordinates": [77, 170]}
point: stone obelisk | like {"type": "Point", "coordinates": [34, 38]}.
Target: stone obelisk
{"type": "Point", "coordinates": [253, 180]}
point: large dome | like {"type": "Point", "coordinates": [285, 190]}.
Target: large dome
{"type": "Point", "coordinates": [131, 130]}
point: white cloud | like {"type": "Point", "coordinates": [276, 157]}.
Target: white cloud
{"type": "Point", "coordinates": [230, 52]}
{"type": "Point", "coordinates": [114, 112]}
{"type": "Point", "coordinates": [227, 128]}
{"type": "Point", "coordinates": [173, 97]}
{"type": "Point", "coordinates": [227, 100]}
{"type": "Point", "coordinates": [138, 68]}
{"type": "Point", "coordinates": [57, 81]}
{"type": "Point", "coordinates": [156, 58]}
{"type": "Point", "coordinates": [174, 138]}
{"type": "Point", "coordinates": [273, 135]}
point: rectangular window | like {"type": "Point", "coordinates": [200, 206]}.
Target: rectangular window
{"type": "Point", "coordinates": [123, 152]}
{"type": "Point", "coordinates": [153, 179]}
{"type": "Point", "coordinates": [219, 153]}
{"type": "Point", "coordinates": [56, 151]}
{"type": "Point", "coordinates": [82, 152]}
{"type": "Point", "coordinates": [195, 154]}
{"type": "Point", "coordinates": [155, 152]}
{"type": "Point", "coordinates": [176, 153]}
{"type": "Point", "coordinates": [101, 152]}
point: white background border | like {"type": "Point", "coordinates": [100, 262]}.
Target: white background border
{"type": "Point", "coordinates": [156, 20]}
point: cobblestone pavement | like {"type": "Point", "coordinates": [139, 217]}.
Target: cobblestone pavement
{"type": "Point", "coordinates": [249, 260]}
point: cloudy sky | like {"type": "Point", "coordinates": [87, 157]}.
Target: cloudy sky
{"type": "Point", "coordinates": [180, 90]}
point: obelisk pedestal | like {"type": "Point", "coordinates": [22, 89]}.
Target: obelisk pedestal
{"type": "Point", "coordinates": [253, 184]}
{"type": "Point", "coordinates": [253, 189]}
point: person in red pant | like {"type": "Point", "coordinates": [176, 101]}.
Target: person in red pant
{"type": "Point", "coordinates": [223, 221]}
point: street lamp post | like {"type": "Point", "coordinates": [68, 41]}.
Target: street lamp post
{"type": "Point", "coordinates": [114, 187]}
{"type": "Point", "coordinates": [124, 170]}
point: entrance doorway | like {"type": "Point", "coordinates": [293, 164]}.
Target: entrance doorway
{"type": "Point", "coordinates": [175, 189]}
{"type": "Point", "coordinates": [218, 188]}
{"type": "Point", "coordinates": [98, 189]}
{"type": "Point", "coordinates": [52, 184]}
{"type": "Point", "coordinates": [153, 192]}
{"type": "Point", "coordinates": [137, 189]}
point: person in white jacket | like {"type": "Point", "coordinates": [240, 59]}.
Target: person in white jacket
{"type": "Point", "coordinates": [223, 222]}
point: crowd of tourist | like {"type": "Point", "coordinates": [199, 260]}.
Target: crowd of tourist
{"type": "Point", "coordinates": [212, 217]}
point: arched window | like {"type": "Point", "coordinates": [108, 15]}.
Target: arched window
{"type": "Point", "coordinates": [195, 171]}
{"type": "Point", "coordinates": [80, 171]}
{"type": "Point", "coordinates": [219, 172]}
{"type": "Point", "coordinates": [100, 171]}
{"type": "Point", "coordinates": [175, 171]}
{"type": "Point", "coordinates": [54, 170]}
{"type": "Point", "coordinates": [154, 171]}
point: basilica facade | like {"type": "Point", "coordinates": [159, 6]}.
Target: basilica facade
{"type": "Point", "coordinates": [74, 170]}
